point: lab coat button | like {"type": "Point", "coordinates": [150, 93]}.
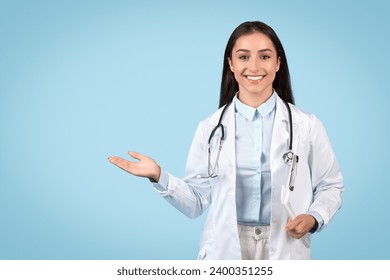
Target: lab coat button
{"type": "Point", "coordinates": [257, 231]}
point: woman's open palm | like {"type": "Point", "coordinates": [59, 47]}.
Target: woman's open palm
{"type": "Point", "coordinates": [144, 167]}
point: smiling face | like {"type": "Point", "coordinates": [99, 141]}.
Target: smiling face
{"type": "Point", "coordinates": [254, 62]}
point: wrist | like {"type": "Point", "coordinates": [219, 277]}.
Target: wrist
{"type": "Point", "coordinates": [315, 226]}
{"type": "Point", "coordinates": [156, 177]}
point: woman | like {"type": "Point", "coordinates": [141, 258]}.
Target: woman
{"type": "Point", "coordinates": [241, 177]}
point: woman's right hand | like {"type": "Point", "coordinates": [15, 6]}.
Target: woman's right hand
{"type": "Point", "coordinates": [144, 167]}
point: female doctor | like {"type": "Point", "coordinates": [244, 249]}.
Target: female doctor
{"type": "Point", "coordinates": [237, 162]}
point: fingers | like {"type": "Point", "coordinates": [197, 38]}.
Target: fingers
{"type": "Point", "coordinates": [294, 231]}
{"type": "Point", "coordinates": [144, 167]}
{"type": "Point", "coordinates": [293, 224]}
{"type": "Point", "coordinates": [299, 226]}
{"type": "Point", "coordinates": [115, 159]}
{"type": "Point", "coordinates": [122, 163]}
{"type": "Point", "coordinates": [135, 155]}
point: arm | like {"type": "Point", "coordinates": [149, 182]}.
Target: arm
{"type": "Point", "coordinates": [191, 196]}
{"type": "Point", "coordinates": [327, 185]}
{"type": "Point", "coordinates": [326, 177]}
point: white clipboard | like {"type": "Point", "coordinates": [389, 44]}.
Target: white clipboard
{"type": "Point", "coordinates": [286, 196]}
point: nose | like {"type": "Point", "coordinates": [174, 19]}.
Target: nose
{"type": "Point", "coordinates": [255, 65]}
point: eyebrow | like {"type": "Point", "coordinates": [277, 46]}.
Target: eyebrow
{"type": "Point", "coordinates": [245, 50]}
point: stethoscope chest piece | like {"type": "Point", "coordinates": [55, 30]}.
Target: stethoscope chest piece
{"type": "Point", "coordinates": [288, 157]}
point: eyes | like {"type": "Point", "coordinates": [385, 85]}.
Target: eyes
{"type": "Point", "coordinates": [247, 57]}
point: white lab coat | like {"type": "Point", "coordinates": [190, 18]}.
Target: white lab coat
{"type": "Point", "coordinates": [318, 180]}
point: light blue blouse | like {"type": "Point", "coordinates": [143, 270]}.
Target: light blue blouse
{"type": "Point", "coordinates": [253, 144]}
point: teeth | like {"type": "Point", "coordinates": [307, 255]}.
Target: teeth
{"type": "Point", "coordinates": [254, 78]}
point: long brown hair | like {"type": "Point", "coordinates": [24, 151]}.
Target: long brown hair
{"type": "Point", "coordinates": [281, 84]}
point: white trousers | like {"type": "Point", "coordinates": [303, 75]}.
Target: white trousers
{"type": "Point", "coordinates": [254, 241]}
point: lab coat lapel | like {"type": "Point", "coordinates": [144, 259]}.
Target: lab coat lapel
{"type": "Point", "coordinates": [228, 152]}
{"type": "Point", "coordinates": [230, 142]}
{"type": "Point", "coordinates": [280, 133]}
{"type": "Point", "coordinates": [222, 214]}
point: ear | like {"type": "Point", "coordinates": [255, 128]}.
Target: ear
{"type": "Point", "coordinates": [278, 64]}
{"type": "Point", "coordinates": [230, 64]}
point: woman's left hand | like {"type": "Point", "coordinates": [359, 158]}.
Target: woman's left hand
{"type": "Point", "coordinates": [301, 225]}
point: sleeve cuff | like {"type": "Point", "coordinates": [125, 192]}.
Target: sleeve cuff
{"type": "Point", "coordinates": [319, 220]}
{"type": "Point", "coordinates": [162, 185]}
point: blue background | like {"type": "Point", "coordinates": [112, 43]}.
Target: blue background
{"type": "Point", "coordinates": [82, 80]}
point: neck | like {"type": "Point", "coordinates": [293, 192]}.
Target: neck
{"type": "Point", "coordinates": [254, 100]}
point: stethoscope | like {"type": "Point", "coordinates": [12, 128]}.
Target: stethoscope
{"type": "Point", "coordinates": [288, 157]}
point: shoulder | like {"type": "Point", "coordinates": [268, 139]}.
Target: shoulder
{"type": "Point", "coordinates": [308, 119]}
{"type": "Point", "coordinates": [299, 116]}
{"type": "Point", "coordinates": [213, 118]}
{"type": "Point", "coordinates": [311, 124]}
{"type": "Point", "coordinates": [206, 125]}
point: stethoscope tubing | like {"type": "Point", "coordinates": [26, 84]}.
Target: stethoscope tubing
{"type": "Point", "coordinates": [287, 157]}
{"type": "Point", "coordinates": [219, 125]}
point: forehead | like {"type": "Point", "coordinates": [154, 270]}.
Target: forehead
{"type": "Point", "coordinates": [254, 41]}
